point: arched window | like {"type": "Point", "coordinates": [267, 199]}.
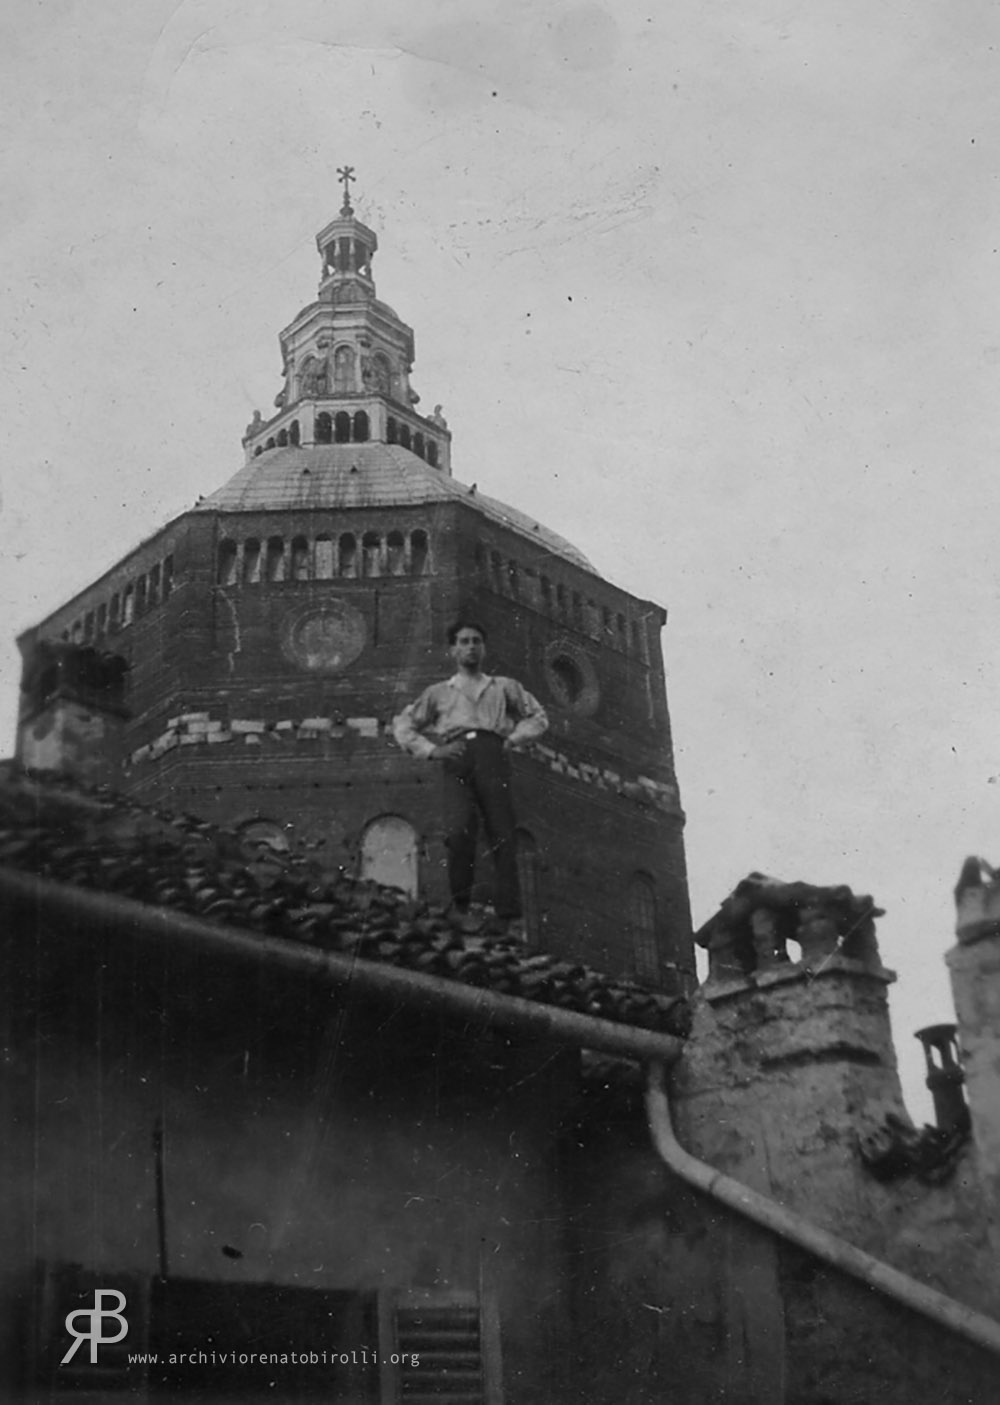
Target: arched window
{"type": "Point", "coordinates": [577, 609]}
{"type": "Point", "coordinates": [371, 554]}
{"type": "Point", "coordinates": [293, 434]}
{"type": "Point", "coordinates": [168, 576]}
{"type": "Point", "coordinates": [343, 371]}
{"type": "Point", "coordinates": [641, 909]}
{"type": "Point", "coordinates": [76, 632]}
{"type": "Point", "coordinates": [348, 555]}
{"type": "Point", "coordinates": [404, 435]}
{"type": "Point", "coordinates": [282, 438]}
{"type": "Point", "coordinates": [251, 561]}
{"type": "Point", "coordinates": [546, 586]}
{"type": "Point", "coordinates": [480, 555]}
{"type": "Point", "coordinates": [102, 621]}
{"type": "Point", "coordinates": [418, 551]}
{"type": "Point", "coordinates": [418, 444]}
{"type": "Point", "coordinates": [128, 605]}
{"type": "Point", "coordinates": [312, 378]}
{"type": "Point", "coordinates": [390, 430]}
{"type": "Point", "coordinates": [342, 428]}
{"type": "Point", "coordinates": [378, 376]}
{"type": "Point", "coordinates": [300, 559]}
{"type": "Point", "coordinates": [561, 600]}
{"type": "Point", "coordinates": [432, 453]}
{"type": "Point", "coordinates": [274, 565]}
{"type": "Point", "coordinates": [257, 452]}
{"type": "Point", "coordinates": [528, 874]}
{"type": "Point", "coordinates": [140, 596]}
{"type": "Point", "coordinates": [323, 428]}
{"type": "Point", "coordinates": [620, 623]}
{"type": "Point", "coordinates": [496, 571]}
{"type": "Point", "coordinates": [513, 579]}
{"type": "Point", "coordinates": [395, 554]}
{"type": "Point", "coordinates": [153, 596]}
{"type": "Point", "coordinates": [324, 558]}
{"type": "Point", "coordinates": [88, 627]}
{"type": "Point", "coordinates": [226, 572]}
{"type": "Point", "coordinates": [269, 444]}
{"type": "Point", "coordinates": [389, 853]}
{"type": "Point", "coordinates": [114, 614]}
{"type": "Point", "coordinates": [360, 427]}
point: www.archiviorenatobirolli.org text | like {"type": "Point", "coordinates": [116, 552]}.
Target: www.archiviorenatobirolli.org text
{"type": "Point", "coordinates": [272, 1358]}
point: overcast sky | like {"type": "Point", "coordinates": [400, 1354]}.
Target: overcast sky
{"type": "Point", "coordinates": [710, 289]}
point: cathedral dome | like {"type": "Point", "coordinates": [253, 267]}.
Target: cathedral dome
{"type": "Point", "coordinates": [331, 477]}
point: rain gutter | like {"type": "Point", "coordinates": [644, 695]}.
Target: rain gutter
{"type": "Point", "coordinates": [143, 921]}
{"type": "Point", "coordinates": [938, 1307]}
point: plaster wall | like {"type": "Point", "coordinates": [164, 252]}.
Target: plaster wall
{"type": "Point", "coordinates": [975, 983]}
{"type": "Point", "coordinates": [331, 1144]}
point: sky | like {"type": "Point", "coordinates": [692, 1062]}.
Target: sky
{"type": "Point", "coordinates": [707, 288]}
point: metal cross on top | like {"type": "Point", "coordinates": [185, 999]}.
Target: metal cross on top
{"type": "Point", "coordinates": [346, 174]}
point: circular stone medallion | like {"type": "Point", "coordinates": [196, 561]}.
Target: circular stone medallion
{"type": "Point", "coordinates": [324, 639]}
{"type": "Point", "coordinates": [572, 677]}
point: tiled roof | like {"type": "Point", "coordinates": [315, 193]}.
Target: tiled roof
{"type": "Point", "coordinates": [329, 477]}
{"type": "Point", "coordinates": [99, 840]}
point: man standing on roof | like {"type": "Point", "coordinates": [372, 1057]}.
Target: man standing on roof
{"type": "Point", "coordinates": [470, 723]}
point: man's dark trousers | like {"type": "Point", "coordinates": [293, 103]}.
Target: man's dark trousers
{"type": "Point", "coordinates": [477, 783]}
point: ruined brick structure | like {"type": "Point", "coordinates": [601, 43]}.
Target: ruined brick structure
{"type": "Point", "coordinates": [272, 631]}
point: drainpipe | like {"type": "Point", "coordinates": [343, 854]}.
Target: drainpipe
{"type": "Point", "coordinates": [108, 912]}
{"type": "Point", "coordinates": [974, 1326]}
{"type": "Point", "coordinates": [126, 917]}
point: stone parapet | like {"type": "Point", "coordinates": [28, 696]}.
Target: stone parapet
{"type": "Point", "coordinates": [201, 729]}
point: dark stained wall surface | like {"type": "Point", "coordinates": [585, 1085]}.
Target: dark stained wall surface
{"type": "Point", "coordinates": [350, 628]}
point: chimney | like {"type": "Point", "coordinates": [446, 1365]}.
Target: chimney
{"type": "Point", "coordinates": [791, 1062]}
{"type": "Point", "coordinates": [72, 711]}
{"type": "Point", "coordinates": [944, 1076]}
{"type": "Point", "coordinates": [974, 965]}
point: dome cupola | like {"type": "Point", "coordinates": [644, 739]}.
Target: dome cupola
{"type": "Point", "coordinates": [347, 359]}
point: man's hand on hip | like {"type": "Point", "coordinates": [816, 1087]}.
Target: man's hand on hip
{"type": "Point", "coordinates": [447, 751]}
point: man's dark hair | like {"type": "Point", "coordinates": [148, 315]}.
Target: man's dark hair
{"type": "Point", "coordinates": [453, 629]}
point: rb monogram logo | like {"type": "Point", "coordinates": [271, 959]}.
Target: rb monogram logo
{"type": "Point", "coordinates": [95, 1316]}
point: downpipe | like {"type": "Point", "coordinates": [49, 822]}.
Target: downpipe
{"type": "Point", "coordinates": [125, 917]}
{"type": "Point", "coordinates": [937, 1307]}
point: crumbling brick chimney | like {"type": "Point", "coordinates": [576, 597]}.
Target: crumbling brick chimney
{"type": "Point", "coordinates": [791, 1063]}
{"type": "Point", "coordinates": [72, 712]}
{"type": "Point", "coordinates": [975, 982]}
